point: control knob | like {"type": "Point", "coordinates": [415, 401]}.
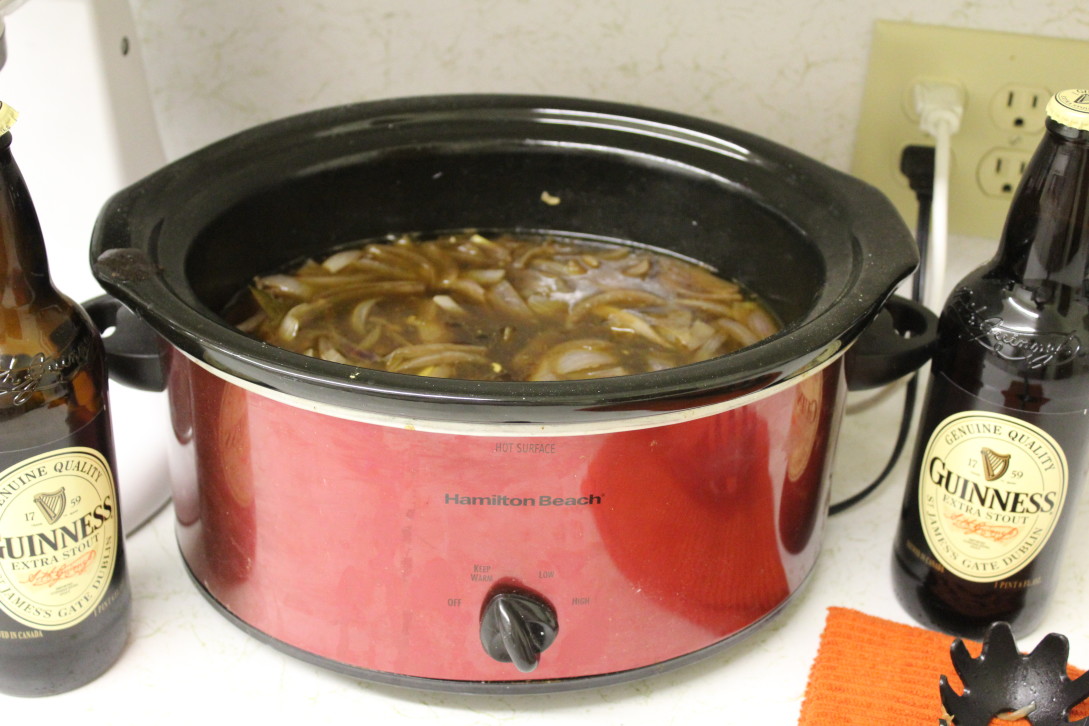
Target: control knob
{"type": "Point", "coordinates": [516, 626]}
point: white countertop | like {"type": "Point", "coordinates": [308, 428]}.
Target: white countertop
{"type": "Point", "coordinates": [186, 663]}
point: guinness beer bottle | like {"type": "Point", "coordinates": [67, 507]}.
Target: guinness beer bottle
{"type": "Point", "coordinates": [1003, 446]}
{"type": "Point", "coordinates": [64, 593]}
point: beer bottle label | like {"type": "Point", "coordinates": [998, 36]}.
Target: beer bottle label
{"type": "Point", "coordinates": [58, 537]}
{"type": "Point", "coordinates": [991, 489]}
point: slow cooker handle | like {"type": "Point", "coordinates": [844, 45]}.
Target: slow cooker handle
{"type": "Point", "coordinates": [898, 341]}
{"type": "Point", "coordinates": [135, 354]}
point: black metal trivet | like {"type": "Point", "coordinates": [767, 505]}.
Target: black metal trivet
{"type": "Point", "coordinates": [1003, 683]}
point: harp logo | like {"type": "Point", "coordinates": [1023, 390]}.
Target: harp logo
{"type": "Point", "coordinates": [59, 537]}
{"type": "Point", "coordinates": [51, 505]}
{"type": "Point", "coordinates": [994, 464]}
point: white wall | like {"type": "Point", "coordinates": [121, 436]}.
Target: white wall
{"type": "Point", "coordinates": [792, 70]}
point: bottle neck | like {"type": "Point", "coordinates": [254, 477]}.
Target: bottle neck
{"type": "Point", "coordinates": [24, 268]}
{"type": "Point", "coordinates": [1045, 244]}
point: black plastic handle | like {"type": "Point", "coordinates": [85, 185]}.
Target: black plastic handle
{"type": "Point", "coordinates": [900, 340]}
{"type": "Point", "coordinates": [135, 354]}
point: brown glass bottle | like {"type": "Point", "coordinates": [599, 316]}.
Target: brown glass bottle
{"type": "Point", "coordinates": [64, 592]}
{"type": "Point", "coordinates": [1003, 447]}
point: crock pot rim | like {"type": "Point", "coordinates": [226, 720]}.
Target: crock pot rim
{"type": "Point", "coordinates": [845, 310]}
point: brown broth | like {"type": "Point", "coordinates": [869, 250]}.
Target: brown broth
{"type": "Point", "coordinates": [504, 307]}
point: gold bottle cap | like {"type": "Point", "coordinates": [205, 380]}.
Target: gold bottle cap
{"type": "Point", "coordinates": [7, 117]}
{"type": "Point", "coordinates": [1070, 108]}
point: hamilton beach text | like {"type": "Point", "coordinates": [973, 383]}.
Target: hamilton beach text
{"type": "Point", "coordinates": [543, 500]}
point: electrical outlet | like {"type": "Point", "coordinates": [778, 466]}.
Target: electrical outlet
{"type": "Point", "coordinates": [1020, 108]}
{"type": "Point", "coordinates": [1000, 170]}
{"type": "Point", "coordinates": [1007, 79]}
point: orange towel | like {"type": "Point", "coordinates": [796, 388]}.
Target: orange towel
{"type": "Point", "coordinates": [870, 671]}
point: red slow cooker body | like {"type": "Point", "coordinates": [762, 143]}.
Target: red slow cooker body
{"type": "Point", "coordinates": [379, 523]}
{"type": "Point", "coordinates": [376, 546]}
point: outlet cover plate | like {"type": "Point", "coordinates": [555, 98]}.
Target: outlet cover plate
{"type": "Point", "coordinates": [989, 66]}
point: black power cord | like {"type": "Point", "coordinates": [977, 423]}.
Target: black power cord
{"type": "Point", "coordinates": [917, 164]}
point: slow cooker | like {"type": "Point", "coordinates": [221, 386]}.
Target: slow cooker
{"type": "Point", "coordinates": [489, 536]}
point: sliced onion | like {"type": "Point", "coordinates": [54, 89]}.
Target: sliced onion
{"type": "Point", "coordinates": [638, 269]}
{"type": "Point", "coordinates": [429, 348]}
{"type": "Point", "coordinates": [298, 316]}
{"type": "Point", "coordinates": [700, 333]}
{"type": "Point", "coordinates": [403, 256]}
{"type": "Point", "coordinates": [328, 351]}
{"type": "Point", "coordinates": [626, 320]}
{"type": "Point", "coordinates": [393, 288]}
{"type": "Point", "coordinates": [492, 250]}
{"type": "Point", "coordinates": [530, 253]}
{"type": "Point", "coordinates": [545, 306]}
{"type": "Point", "coordinates": [692, 280]}
{"type": "Point", "coordinates": [504, 297]}
{"type": "Point", "coordinates": [449, 304]}
{"type": "Point", "coordinates": [437, 371]}
{"type": "Point", "coordinates": [324, 279]}
{"type": "Point", "coordinates": [566, 359]}
{"type": "Point", "coordinates": [720, 309]}
{"type": "Point", "coordinates": [446, 267]}
{"type": "Point", "coordinates": [360, 313]}
{"type": "Point", "coordinates": [711, 347]}
{"type": "Point", "coordinates": [721, 296]}
{"type": "Point", "coordinates": [253, 322]}
{"type": "Point", "coordinates": [411, 357]}
{"type": "Point", "coordinates": [293, 320]}
{"type": "Point", "coordinates": [469, 288]}
{"type": "Point", "coordinates": [761, 323]}
{"type": "Point", "coordinates": [618, 252]}
{"type": "Point", "coordinates": [486, 276]}
{"type": "Point", "coordinates": [383, 270]}
{"type": "Point", "coordinates": [437, 359]}
{"type": "Point", "coordinates": [737, 331]}
{"type": "Point", "coordinates": [626, 297]}
{"type": "Point", "coordinates": [580, 359]}
{"type": "Point", "coordinates": [289, 325]}
{"type": "Point", "coordinates": [368, 341]}
{"type": "Point", "coordinates": [690, 336]}
{"type": "Point", "coordinates": [287, 284]}
{"type": "Point", "coordinates": [336, 262]}
{"type": "Point", "coordinates": [551, 268]}
{"type": "Point", "coordinates": [606, 372]}
{"type": "Point", "coordinates": [658, 362]}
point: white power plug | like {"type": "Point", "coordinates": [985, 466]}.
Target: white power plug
{"type": "Point", "coordinates": [940, 107]}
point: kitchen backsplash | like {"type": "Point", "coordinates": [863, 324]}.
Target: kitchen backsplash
{"type": "Point", "coordinates": [791, 70]}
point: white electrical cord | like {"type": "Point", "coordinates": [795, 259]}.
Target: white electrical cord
{"type": "Point", "coordinates": [940, 107]}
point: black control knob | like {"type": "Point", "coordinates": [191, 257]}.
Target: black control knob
{"type": "Point", "coordinates": [515, 627]}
